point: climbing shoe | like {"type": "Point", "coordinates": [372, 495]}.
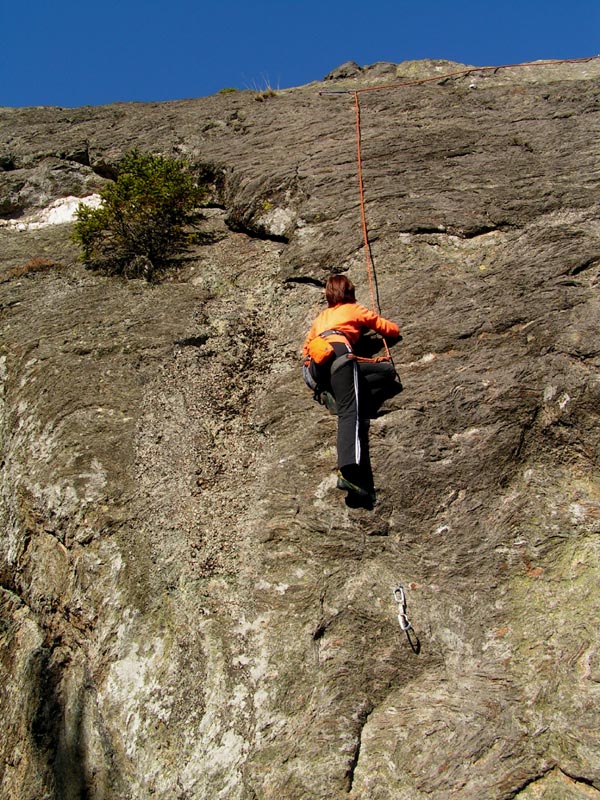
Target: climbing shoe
{"type": "Point", "coordinates": [349, 486]}
{"type": "Point", "coordinates": [328, 401]}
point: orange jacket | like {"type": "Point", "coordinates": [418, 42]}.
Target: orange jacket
{"type": "Point", "coordinates": [351, 319]}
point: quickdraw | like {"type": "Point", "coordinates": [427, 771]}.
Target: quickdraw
{"type": "Point", "coordinates": [400, 599]}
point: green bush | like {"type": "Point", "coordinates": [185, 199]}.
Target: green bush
{"type": "Point", "coordinates": [144, 219]}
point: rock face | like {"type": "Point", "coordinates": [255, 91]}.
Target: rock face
{"type": "Point", "coordinates": [189, 608]}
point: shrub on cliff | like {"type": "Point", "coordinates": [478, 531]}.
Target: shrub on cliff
{"type": "Point", "coordinates": [144, 219]}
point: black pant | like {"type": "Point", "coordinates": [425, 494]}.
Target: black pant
{"type": "Point", "coordinates": [357, 386]}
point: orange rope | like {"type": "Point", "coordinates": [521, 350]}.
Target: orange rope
{"type": "Point", "coordinates": [361, 191]}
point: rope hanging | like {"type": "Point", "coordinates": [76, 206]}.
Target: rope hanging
{"type": "Point", "coordinates": [367, 246]}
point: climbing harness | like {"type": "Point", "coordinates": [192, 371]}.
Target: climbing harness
{"type": "Point", "coordinates": [400, 599]}
{"type": "Point", "coordinates": [320, 349]}
{"type": "Point", "coordinates": [320, 352]}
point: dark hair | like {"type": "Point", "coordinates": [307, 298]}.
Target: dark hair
{"type": "Point", "coordinates": [339, 289]}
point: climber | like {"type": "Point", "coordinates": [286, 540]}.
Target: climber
{"type": "Point", "coordinates": [346, 383]}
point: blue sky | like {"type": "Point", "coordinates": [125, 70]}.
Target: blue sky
{"type": "Point", "coordinates": [73, 52]}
